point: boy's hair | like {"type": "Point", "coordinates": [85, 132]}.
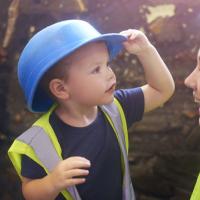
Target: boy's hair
{"type": "Point", "coordinates": [50, 45]}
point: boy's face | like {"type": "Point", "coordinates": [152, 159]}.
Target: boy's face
{"type": "Point", "coordinates": [193, 81]}
{"type": "Point", "coordinates": [90, 80]}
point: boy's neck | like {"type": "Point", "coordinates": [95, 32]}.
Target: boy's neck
{"type": "Point", "coordinates": [77, 116]}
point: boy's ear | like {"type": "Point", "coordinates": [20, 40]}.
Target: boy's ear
{"type": "Point", "coordinates": [58, 89]}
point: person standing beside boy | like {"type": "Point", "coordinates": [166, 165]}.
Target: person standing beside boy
{"type": "Point", "coordinates": [193, 82]}
{"type": "Point", "coordinates": [67, 64]}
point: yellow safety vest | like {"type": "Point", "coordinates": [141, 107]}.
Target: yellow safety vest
{"type": "Point", "coordinates": [196, 191]}
{"type": "Point", "coordinates": [20, 147]}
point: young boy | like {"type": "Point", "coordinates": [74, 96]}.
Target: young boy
{"type": "Point", "coordinates": [193, 82]}
{"type": "Point", "coordinates": [78, 149]}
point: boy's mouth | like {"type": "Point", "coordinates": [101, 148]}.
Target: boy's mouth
{"type": "Point", "coordinates": [111, 88]}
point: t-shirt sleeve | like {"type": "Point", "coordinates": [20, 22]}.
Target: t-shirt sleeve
{"type": "Point", "coordinates": [132, 102]}
{"type": "Point", "coordinates": [30, 169]}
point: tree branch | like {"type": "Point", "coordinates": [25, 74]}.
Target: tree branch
{"type": "Point", "coordinates": [13, 12]}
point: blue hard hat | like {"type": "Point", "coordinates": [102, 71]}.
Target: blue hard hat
{"type": "Point", "coordinates": [50, 45]}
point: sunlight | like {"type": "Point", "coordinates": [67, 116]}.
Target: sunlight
{"type": "Point", "coordinates": [160, 11]}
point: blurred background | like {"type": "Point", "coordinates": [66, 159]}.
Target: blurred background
{"type": "Point", "coordinates": [164, 146]}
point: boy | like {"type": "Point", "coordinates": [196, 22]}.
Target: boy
{"type": "Point", "coordinates": [193, 82]}
{"type": "Point", "coordinates": [68, 63]}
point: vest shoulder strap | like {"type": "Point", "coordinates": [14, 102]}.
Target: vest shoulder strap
{"type": "Point", "coordinates": [117, 119]}
{"type": "Point", "coordinates": [38, 140]}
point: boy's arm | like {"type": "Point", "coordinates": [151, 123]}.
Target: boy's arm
{"type": "Point", "coordinates": [40, 189]}
{"type": "Point", "coordinates": [160, 84]}
{"type": "Point", "coordinates": [69, 172]}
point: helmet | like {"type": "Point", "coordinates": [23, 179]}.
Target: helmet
{"type": "Point", "coordinates": [50, 45]}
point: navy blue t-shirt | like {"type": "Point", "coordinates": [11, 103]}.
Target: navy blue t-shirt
{"type": "Point", "coordinates": [96, 142]}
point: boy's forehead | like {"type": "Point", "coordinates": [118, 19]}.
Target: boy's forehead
{"type": "Point", "coordinates": [92, 47]}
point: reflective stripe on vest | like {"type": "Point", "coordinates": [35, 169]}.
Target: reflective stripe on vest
{"type": "Point", "coordinates": [38, 138]}
{"type": "Point", "coordinates": [196, 191]}
{"type": "Point", "coordinates": [113, 112]}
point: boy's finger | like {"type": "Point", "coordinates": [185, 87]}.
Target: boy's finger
{"type": "Point", "coordinates": [76, 164]}
{"type": "Point", "coordinates": [75, 181]}
{"type": "Point", "coordinates": [76, 173]}
{"type": "Point", "coordinates": [77, 158]}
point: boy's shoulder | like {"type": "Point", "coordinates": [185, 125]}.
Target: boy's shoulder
{"type": "Point", "coordinates": [33, 134]}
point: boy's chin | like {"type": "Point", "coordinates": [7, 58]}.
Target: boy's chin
{"type": "Point", "coordinates": [108, 101]}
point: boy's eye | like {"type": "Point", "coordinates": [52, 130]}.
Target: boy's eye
{"type": "Point", "coordinates": [108, 64]}
{"type": "Point", "coordinates": [96, 70]}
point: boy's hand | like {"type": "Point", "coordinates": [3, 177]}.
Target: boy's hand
{"type": "Point", "coordinates": [69, 172]}
{"type": "Point", "coordinates": [136, 42]}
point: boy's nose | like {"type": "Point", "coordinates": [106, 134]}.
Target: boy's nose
{"type": "Point", "coordinates": [186, 81]}
{"type": "Point", "coordinates": [110, 74]}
